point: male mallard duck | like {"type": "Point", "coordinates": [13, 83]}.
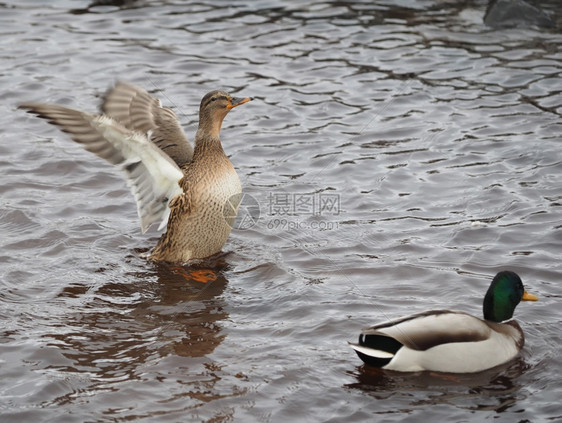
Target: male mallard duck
{"type": "Point", "coordinates": [450, 341]}
{"type": "Point", "coordinates": [195, 192]}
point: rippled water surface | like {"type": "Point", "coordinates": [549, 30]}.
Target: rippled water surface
{"type": "Point", "coordinates": [401, 154]}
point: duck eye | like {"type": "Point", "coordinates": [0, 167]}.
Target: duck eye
{"type": "Point", "coordinates": [213, 99]}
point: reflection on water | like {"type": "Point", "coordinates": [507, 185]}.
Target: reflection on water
{"type": "Point", "coordinates": [493, 390]}
{"type": "Point", "coordinates": [165, 312]}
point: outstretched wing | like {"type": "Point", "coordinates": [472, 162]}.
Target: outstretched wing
{"type": "Point", "coordinates": [152, 176]}
{"type": "Point", "coordinates": [136, 110]}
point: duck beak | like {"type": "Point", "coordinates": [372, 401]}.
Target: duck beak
{"type": "Point", "coordinates": [233, 102]}
{"type": "Point", "coordinates": [529, 297]}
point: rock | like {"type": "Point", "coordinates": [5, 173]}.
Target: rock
{"type": "Point", "coordinates": [515, 13]}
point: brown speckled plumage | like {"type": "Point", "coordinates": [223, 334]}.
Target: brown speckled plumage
{"type": "Point", "coordinates": [187, 189]}
{"type": "Point", "coordinates": [197, 227]}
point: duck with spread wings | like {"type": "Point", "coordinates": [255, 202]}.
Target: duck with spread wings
{"type": "Point", "coordinates": [193, 192]}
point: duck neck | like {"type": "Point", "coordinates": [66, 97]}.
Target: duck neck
{"type": "Point", "coordinates": [207, 144]}
{"type": "Point", "coordinates": [210, 124]}
{"type": "Point", "coordinates": [207, 138]}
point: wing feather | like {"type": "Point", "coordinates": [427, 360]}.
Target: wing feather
{"type": "Point", "coordinates": [151, 174]}
{"type": "Point", "coordinates": [135, 109]}
{"type": "Point", "coordinates": [426, 330]}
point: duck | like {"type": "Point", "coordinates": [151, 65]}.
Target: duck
{"type": "Point", "coordinates": [192, 192]}
{"type": "Point", "coordinates": [450, 341]}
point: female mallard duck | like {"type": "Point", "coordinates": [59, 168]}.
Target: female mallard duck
{"type": "Point", "coordinates": [450, 341]}
{"type": "Point", "coordinates": [195, 192]}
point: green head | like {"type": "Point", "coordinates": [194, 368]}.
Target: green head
{"type": "Point", "coordinates": [503, 295]}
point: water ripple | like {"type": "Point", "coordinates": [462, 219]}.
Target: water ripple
{"type": "Point", "coordinates": [433, 138]}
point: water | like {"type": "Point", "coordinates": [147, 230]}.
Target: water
{"type": "Point", "coordinates": [400, 158]}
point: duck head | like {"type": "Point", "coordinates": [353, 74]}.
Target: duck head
{"type": "Point", "coordinates": [215, 105]}
{"type": "Point", "coordinates": [503, 295]}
